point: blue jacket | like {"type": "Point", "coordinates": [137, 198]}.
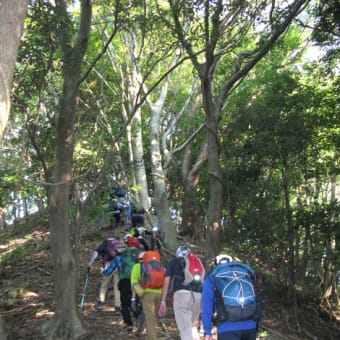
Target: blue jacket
{"type": "Point", "coordinates": [208, 307]}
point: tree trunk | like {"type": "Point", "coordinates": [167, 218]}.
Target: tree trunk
{"type": "Point", "coordinates": [66, 324]}
{"type": "Point", "coordinates": [168, 231]}
{"type": "Point", "coordinates": [290, 233]}
{"type": "Point", "coordinates": [191, 214]}
{"type": "Point", "coordinates": [330, 294]}
{"type": "Point", "coordinates": [137, 137]}
{"type": "Point", "coordinates": [216, 185]}
{"type": "Point", "coordinates": [139, 165]}
{"type": "Point", "coordinates": [12, 15]}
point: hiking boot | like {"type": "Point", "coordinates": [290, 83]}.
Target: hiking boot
{"type": "Point", "coordinates": [117, 311]}
{"type": "Point", "coordinates": [98, 305]}
{"type": "Point", "coordinates": [129, 328]}
{"type": "Point", "coordinates": [142, 332]}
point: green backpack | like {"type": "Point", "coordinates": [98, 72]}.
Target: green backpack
{"type": "Point", "coordinates": [129, 258]}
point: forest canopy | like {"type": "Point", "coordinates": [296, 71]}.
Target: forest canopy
{"type": "Point", "coordinates": [213, 109]}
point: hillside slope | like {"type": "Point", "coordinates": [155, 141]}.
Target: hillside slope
{"type": "Point", "coordinates": [26, 290]}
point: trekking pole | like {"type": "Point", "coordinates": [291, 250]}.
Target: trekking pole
{"type": "Point", "coordinates": [86, 279]}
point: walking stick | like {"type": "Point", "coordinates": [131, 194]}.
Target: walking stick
{"type": "Point", "coordinates": [86, 279]}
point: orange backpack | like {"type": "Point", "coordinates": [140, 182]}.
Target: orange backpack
{"type": "Point", "coordinates": [152, 271]}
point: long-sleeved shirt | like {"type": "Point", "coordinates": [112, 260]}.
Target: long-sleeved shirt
{"type": "Point", "coordinates": [115, 263]}
{"type": "Point", "coordinates": [208, 306]}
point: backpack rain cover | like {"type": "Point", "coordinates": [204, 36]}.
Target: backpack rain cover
{"type": "Point", "coordinates": [234, 287]}
{"type": "Point", "coordinates": [152, 271]}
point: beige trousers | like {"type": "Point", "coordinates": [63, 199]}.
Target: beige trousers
{"type": "Point", "coordinates": [105, 285]}
{"type": "Point", "coordinates": [151, 303]}
{"type": "Point", "coordinates": [187, 309]}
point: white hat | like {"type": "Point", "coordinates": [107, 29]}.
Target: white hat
{"type": "Point", "coordinates": [223, 258]}
{"type": "Point", "coordinates": [140, 255]}
{"type": "Point", "coordinates": [141, 230]}
{"type": "Point", "coordinates": [126, 236]}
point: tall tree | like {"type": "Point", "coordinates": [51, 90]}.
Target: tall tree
{"type": "Point", "coordinates": [226, 28]}
{"type": "Point", "coordinates": [66, 323]}
{"type": "Point", "coordinates": [12, 15]}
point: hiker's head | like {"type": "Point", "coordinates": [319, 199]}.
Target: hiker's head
{"type": "Point", "coordinates": [140, 229]}
{"type": "Point", "coordinates": [155, 227]}
{"type": "Point", "coordinates": [183, 251]}
{"type": "Point", "coordinates": [223, 258]}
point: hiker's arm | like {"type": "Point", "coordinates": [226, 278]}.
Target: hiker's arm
{"type": "Point", "coordinates": [111, 268]}
{"type": "Point", "coordinates": [165, 288]}
{"type": "Point", "coordinates": [136, 288]}
{"type": "Point", "coordinates": [92, 259]}
{"type": "Point", "coordinates": [207, 305]}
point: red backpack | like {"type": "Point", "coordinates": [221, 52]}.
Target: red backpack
{"type": "Point", "coordinates": [152, 271]}
{"type": "Point", "coordinates": [194, 271]}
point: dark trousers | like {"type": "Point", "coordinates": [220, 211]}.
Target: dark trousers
{"type": "Point", "coordinates": [249, 334]}
{"type": "Point", "coordinates": [124, 287]}
{"type": "Point", "coordinates": [137, 219]}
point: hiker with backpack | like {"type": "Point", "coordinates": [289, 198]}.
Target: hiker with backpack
{"type": "Point", "coordinates": [107, 250]}
{"type": "Point", "coordinates": [138, 242]}
{"type": "Point", "coordinates": [121, 196]}
{"type": "Point", "coordinates": [147, 279]}
{"type": "Point", "coordinates": [124, 261]}
{"type": "Point", "coordinates": [137, 215]}
{"type": "Point", "coordinates": [140, 235]}
{"type": "Point", "coordinates": [117, 209]}
{"type": "Point", "coordinates": [229, 294]}
{"type": "Point", "coordinates": [184, 275]}
{"type": "Point", "coordinates": [154, 235]}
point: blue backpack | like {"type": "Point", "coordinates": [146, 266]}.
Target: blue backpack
{"type": "Point", "coordinates": [234, 293]}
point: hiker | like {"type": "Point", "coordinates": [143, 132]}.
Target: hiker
{"type": "Point", "coordinates": [107, 250]}
{"type": "Point", "coordinates": [186, 297]}
{"type": "Point", "coordinates": [139, 232]}
{"type": "Point", "coordinates": [123, 204]}
{"type": "Point", "coordinates": [124, 261]}
{"type": "Point", "coordinates": [146, 282]}
{"type": "Point", "coordinates": [154, 235]}
{"type": "Point", "coordinates": [137, 215]}
{"type": "Point", "coordinates": [134, 241]}
{"type": "Point", "coordinates": [117, 209]}
{"type": "Point", "coordinates": [232, 280]}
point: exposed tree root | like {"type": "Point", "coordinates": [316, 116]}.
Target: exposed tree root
{"type": "Point", "coordinates": [56, 329]}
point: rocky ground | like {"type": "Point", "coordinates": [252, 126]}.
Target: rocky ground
{"type": "Point", "coordinates": [27, 295]}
